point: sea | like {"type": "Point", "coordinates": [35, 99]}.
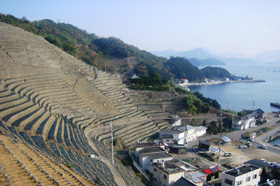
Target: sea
{"type": "Point", "coordinates": [247, 96]}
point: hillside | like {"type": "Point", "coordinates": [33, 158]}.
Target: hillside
{"type": "Point", "coordinates": [60, 108]}
{"type": "Point", "coordinates": [110, 54]}
{"type": "Point", "coordinates": [49, 100]}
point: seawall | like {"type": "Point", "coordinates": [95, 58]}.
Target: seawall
{"type": "Point", "coordinates": [272, 137]}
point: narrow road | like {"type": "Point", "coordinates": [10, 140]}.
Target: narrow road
{"type": "Point", "coordinates": [117, 176]}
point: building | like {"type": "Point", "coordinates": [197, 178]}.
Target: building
{"type": "Point", "coordinates": [182, 134]}
{"type": "Point", "coordinates": [263, 165]}
{"type": "Point", "coordinates": [166, 173]}
{"type": "Point", "coordinates": [244, 122]}
{"type": "Point", "coordinates": [199, 178]}
{"type": "Point", "coordinates": [178, 135]}
{"type": "Point", "coordinates": [147, 156]}
{"type": "Point", "coordinates": [184, 182]}
{"type": "Point", "coordinates": [212, 173]}
{"type": "Point", "coordinates": [203, 145]}
{"type": "Point", "coordinates": [243, 175]}
{"type": "Point", "coordinates": [192, 133]}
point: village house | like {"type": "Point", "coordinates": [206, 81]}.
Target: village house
{"type": "Point", "coordinates": [192, 133]}
{"type": "Point", "coordinates": [178, 136]}
{"type": "Point", "coordinates": [184, 182]}
{"type": "Point", "coordinates": [212, 173]}
{"type": "Point", "coordinates": [244, 122]}
{"type": "Point", "coordinates": [166, 173]}
{"type": "Point", "coordinates": [147, 156]}
{"type": "Point", "coordinates": [249, 121]}
{"type": "Point", "coordinates": [182, 134]}
{"type": "Point", "coordinates": [243, 175]}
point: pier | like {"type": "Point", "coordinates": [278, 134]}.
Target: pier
{"type": "Point", "coordinates": [277, 105]}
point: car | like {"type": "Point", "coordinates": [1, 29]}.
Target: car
{"type": "Point", "coordinates": [226, 154]}
{"type": "Point", "coordinates": [277, 145]}
{"type": "Point", "coordinates": [272, 164]}
{"type": "Point", "coordinates": [263, 160]}
{"type": "Point", "coordinates": [243, 146]}
{"type": "Point", "coordinates": [248, 143]}
{"type": "Point", "coordinates": [263, 146]}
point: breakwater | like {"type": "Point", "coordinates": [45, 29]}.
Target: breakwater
{"type": "Point", "coordinates": [272, 137]}
{"type": "Point", "coordinates": [277, 105]}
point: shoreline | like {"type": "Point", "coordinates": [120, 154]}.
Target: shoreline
{"type": "Point", "coordinates": [222, 82]}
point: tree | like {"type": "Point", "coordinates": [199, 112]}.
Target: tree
{"type": "Point", "coordinates": [67, 47]}
{"type": "Point", "coordinates": [194, 122]}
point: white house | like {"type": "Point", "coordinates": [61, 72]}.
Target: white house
{"type": "Point", "coordinates": [243, 175]}
{"type": "Point", "coordinates": [182, 134]}
{"type": "Point", "coordinates": [244, 122]}
{"type": "Point", "coordinates": [147, 156]}
{"type": "Point", "coordinates": [167, 172]}
{"type": "Point", "coordinates": [192, 133]}
{"type": "Point", "coordinates": [178, 135]}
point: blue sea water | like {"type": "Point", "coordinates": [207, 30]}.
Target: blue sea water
{"type": "Point", "coordinates": [238, 96]}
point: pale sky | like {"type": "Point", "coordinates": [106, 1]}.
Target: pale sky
{"type": "Point", "coordinates": [225, 26]}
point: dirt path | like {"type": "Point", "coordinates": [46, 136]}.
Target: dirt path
{"type": "Point", "coordinates": [117, 177]}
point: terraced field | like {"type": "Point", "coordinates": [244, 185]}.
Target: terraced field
{"type": "Point", "coordinates": [55, 112]}
{"type": "Point", "coordinates": [48, 100]}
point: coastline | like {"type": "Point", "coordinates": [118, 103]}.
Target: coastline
{"type": "Point", "coordinates": [217, 82]}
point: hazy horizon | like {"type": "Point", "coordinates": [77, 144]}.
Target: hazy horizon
{"type": "Point", "coordinates": [235, 26]}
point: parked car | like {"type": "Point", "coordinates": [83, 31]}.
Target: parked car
{"type": "Point", "coordinates": [272, 164]}
{"type": "Point", "coordinates": [263, 160]}
{"type": "Point", "coordinates": [243, 147]}
{"type": "Point", "coordinates": [277, 145]}
{"type": "Point", "coordinates": [249, 144]}
{"type": "Point", "coordinates": [226, 154]}
{"type": "Point", "coordinates": [263, 146]}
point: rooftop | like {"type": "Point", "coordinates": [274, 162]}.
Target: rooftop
{"type": "Point", "coordinates": [159, 155]}
{"type": "Point", "coordinates": [166, 136]}
{"type": "Point", "coordinates": [241, 170]}
{"type": "Point", "coordinates": [171, 131]}
{"type": "Point", "coordinates": [170, 167]}
{"type": "Point", "coordinates": [183, 182]}
{"type": "Point", "coordinates": [150, 150]}
{"type": "Point", "coordinates": [211, 170]}
{"type": "Point", "coordinates": [257, 163]}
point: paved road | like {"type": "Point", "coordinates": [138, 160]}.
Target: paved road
{"type": "Point", "coordinates": [236, 135]}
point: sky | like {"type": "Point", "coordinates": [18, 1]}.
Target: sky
{"type": "Point", "coordinates": [242, 27]}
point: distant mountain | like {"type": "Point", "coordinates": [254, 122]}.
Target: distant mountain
{"type": "Point", "coordinates": [216, 73]}
{"type": "Point", "coordinates": [202, 56]}
{"type": "Point", "coordinates": [206, 62]}
{"type": "Point", "coordinates": [198, 53]}
{"type": "Point", "coordinates": [238, 61]}
{"type": "Point", "coordinates": [230, 55]}
{"type": "Point", "coordinates": [268, 56]}
{"type": "Point", "coordinates": [165, 53]}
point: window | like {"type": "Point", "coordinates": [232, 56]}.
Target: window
{"type": "Point", "coordinates": [238, 182]}
{"type": "Point", "coordinates": [155, 170]}
{"type": "Point", "coordinates": [165, 177]}
{"type": "Point", "coordinates": [155, 179]}
{"type": "Point", "coordinates": [248, 178]}
{"type": "Point", "coordinates": [227, 181]}
{"type": "Point", "coordinates": [255, 176]}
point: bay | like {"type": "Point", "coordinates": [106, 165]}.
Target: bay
{"type": "Point", "coordinates": [238, 96]}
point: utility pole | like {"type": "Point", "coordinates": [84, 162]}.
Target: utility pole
{"type": "Point", "coordinates": [112, 143]}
